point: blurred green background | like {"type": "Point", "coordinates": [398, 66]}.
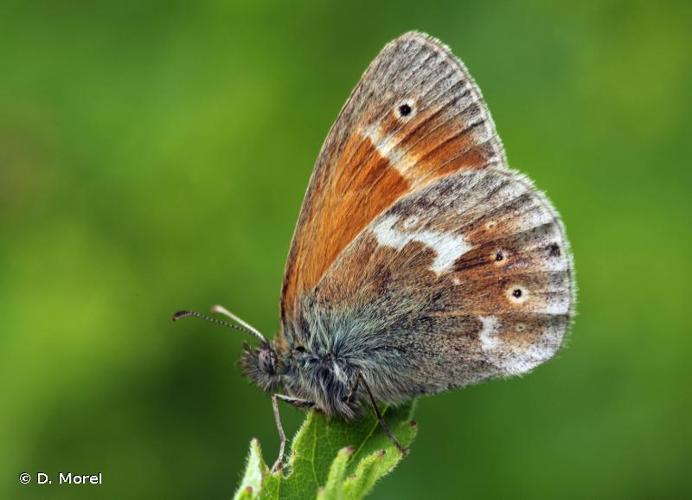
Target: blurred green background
{"type": "Point", "coordinates": [153, 156]}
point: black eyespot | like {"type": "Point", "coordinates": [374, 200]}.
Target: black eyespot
{"type": "Point", "coordinates": [499, 256]}
{"type": "Point", "coordinates": [405, 110]}
{"type": "Point", "coordinates": [554, 250]}
{"type": "Point", "coordinates": [516, 293]}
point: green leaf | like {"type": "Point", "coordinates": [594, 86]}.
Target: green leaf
{"type": "Point", "coordinates": [330, 459]}
{"type": "Point", "coordinates": [255, 471]}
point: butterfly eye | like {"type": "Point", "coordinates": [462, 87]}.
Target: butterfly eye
{"type": "Point", "coordinates": [405, 109]}
{"type": "Point", "coordinates": [266, 360]}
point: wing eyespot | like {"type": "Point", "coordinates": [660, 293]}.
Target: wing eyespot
{"type": "Point", "coordinates": [517, 294]}
{"type": "Point", "coordinates": [405, 110]}
{"type": "Point", "coordinates": [554, 250]}
{"type": "Point", "coordinates": [499, 257]}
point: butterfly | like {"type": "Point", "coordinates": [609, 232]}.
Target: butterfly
{"type": "Point", "coordinates": [420, 262]}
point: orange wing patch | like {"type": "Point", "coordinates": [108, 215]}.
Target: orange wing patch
{"type": "Point", "coordinates": [415, 115]}
{"type": "Point", "coordinates": [367, 184]}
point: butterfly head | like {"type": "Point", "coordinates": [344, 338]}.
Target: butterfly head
{"type": "Point", "coordinates": [263, 366]}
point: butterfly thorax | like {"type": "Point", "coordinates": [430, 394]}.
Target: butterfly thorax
{"type": "Point", "coordinates": [325, 378]}
{"type": "Point", "coordinates": [319, 377]}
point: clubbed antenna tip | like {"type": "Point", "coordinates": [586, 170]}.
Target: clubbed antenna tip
{"type": "Point", "coordinates": [180, 315]}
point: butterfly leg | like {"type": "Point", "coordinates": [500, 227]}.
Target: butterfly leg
{"type": "Point", "coordinates": [298, 403]}
{"type": "Point", "coordinates": [352, 392]}
{"type": "Point", "coordinates": [381, 420]}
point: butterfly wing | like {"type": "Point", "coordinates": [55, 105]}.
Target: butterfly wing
{"type": "Point", "coordinates": [465, 279]}
{"type": "Point", "coordinates": [415, 115]}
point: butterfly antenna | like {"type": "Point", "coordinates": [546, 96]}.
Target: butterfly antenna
{"type": "Point", "coordinates": [222, 310]}
{"type": "Point", "coordinates": [239, 324]}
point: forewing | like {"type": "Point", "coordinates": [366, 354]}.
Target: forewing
{"type": "Point", "coordinates": [466, 279]}
{"type": "Point", "coordinates": [415, 115]}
